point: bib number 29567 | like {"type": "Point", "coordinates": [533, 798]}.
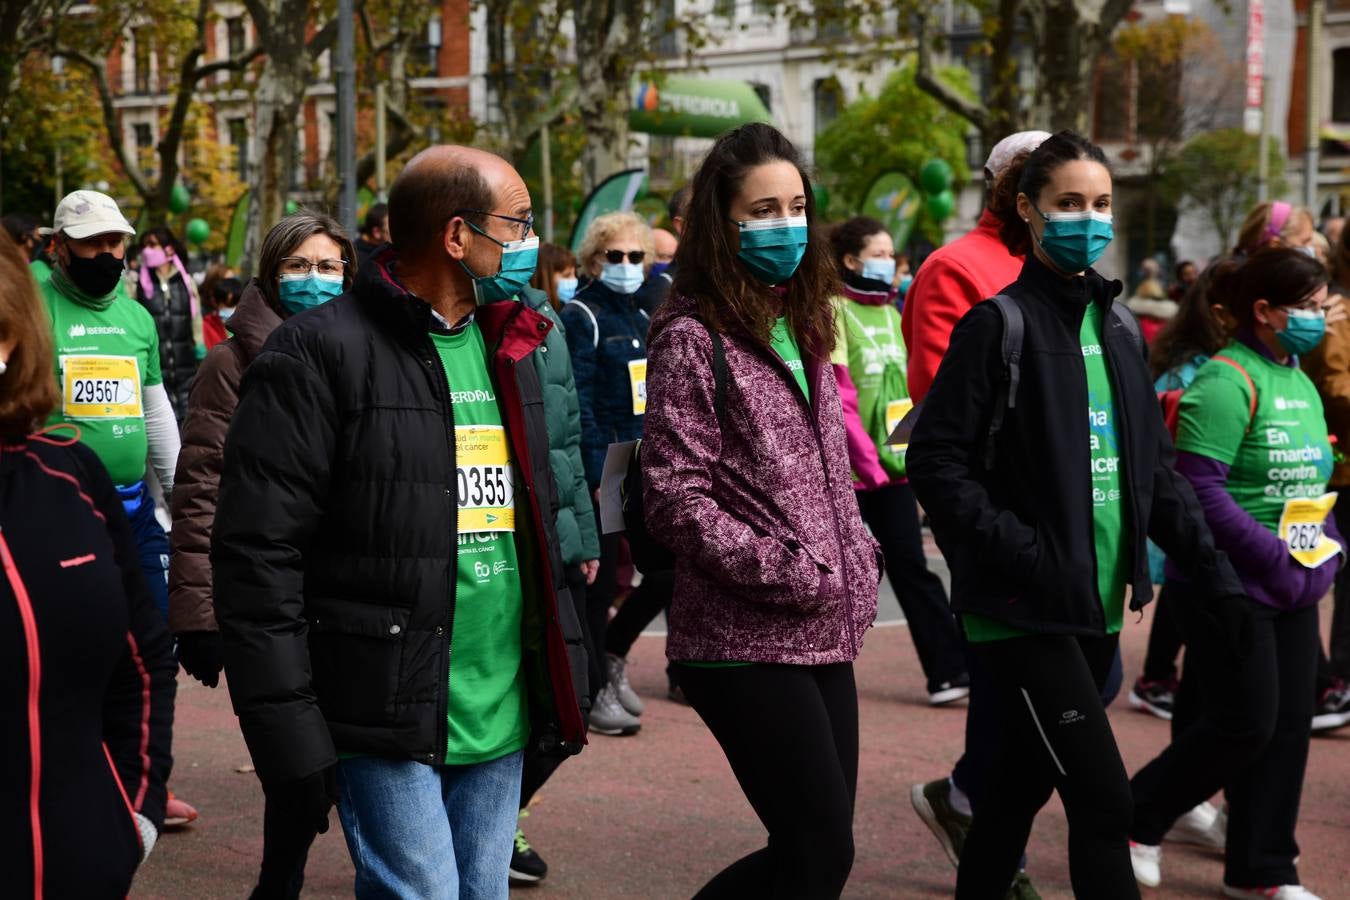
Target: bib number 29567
{"type": "Point", "coordinates": [1303, 530]}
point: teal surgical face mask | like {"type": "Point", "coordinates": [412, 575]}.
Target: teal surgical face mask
{"type": "Point", "coordinates": [513, 273]}
{"type": "Point", "coordinates": [298, 293]}
{"type": "Point", "coordinates": [1074, 241]}
{"type": "Point", "coordinates": [773, 248]}
{"type": "Point", "coordinates": [1304, 330]}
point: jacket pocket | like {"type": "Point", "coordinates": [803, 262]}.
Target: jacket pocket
{"type": "Point", "coordinates": [355, 654]}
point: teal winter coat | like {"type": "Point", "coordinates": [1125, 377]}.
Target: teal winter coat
{"type": "Point", "coordinates": [562, 411]}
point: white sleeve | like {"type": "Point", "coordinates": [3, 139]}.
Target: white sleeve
{"type": "Point", "coordinates": [161, 431]}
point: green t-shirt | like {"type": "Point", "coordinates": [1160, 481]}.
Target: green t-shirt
{"type": "Point", "coordinates": [1284, 455]}
{"type": "Point", "coordinates": [42, 272]}
{"type": "Point", "coordinates": [784, 344]}
{"type": "Point", "coordinates": [487, 705]}
{"type": "Point", "coordinates": [105, 359]}
{"type": "Point", "coordinates": [869, 344]}
{"type": "Point", "coordinates": [1108, 489]}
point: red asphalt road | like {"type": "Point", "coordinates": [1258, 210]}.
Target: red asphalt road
{"type": "Point", "coordinates": [655, 815]}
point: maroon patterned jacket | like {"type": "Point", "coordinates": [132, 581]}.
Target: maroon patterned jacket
{"type": "Point", "coordinates": [773, 563]}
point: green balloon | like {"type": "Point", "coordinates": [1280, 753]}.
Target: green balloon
{"type": "Point", "coordinates": [821, 194]}
{"type": "Point", "coordinates": [935, 176]}
{"type": "Point", "coordinates": [941, 205]}
{"type": "Point", "coordinates": [179, 199]}
{"type": "Point", "coordinates": [292, 207]}
{"type": "Point", "coordinates": [197, 231]}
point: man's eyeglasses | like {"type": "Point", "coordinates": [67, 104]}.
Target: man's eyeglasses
{"type": "Point", "coordinates": [634, 256]}
{"type": "Point", "coordinates": [519, 233]}
{"type": "Point", "coordinates": [298, 265]}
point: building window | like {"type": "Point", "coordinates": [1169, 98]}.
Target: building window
{"type": "Point", "coordinates": [829, 99]}
{"type": "Point", "coordinates": [667, 42]}
{"type": "Point", "coordinates": [145, 135]}
{"type": "Point", "coordinates": [234, 35]}
{"type": "Point", "coordinates": [725, 8]}
{"type": "Point", "coordinates": [763, 7]}
{"type": "Point", "coordinates": [140, 39]}
{"type": "Point", "coordinates": [1112, 104]}
{"type": "Point", "coordinates": [1340, 86]}
{"type": "Point", "coordinates": [237, 129]}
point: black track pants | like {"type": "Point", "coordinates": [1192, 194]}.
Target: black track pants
{"type": "Point", "coordinates": [1053, 736]}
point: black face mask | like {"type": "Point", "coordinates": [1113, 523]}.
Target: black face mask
{"type": "Point", "coordinates": [97, 276]}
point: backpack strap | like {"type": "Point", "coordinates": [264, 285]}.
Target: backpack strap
{"type": "Point", "coordinates": [595, 323]}
{"type": "Point", "coordinates": [1122, 314]}
{"type": "Point", "coordinates": [1005, 398]}
{"type": "Point", "coordinates": [1251, 385]}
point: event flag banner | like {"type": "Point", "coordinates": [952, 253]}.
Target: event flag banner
{"type": "Point", "coordinates": [894, 202]}
{"type": "Point", "coordinates": [694, 107]}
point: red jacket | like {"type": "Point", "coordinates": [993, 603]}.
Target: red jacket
{"type": "Point", "coordinates": [972, 268]}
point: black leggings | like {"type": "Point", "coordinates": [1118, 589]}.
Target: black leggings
{"type": "Point", "coordinates": [646, 602]}
{"type": "Point", "coordinates": [1053, 735]}
{"type": "Point", "coordinates": [1249, 732]}
{"type": "Point", "coordinates": [892, 513]}
{"type": "Point", "coordinates": [791, 736]}
{"type": "Point", "coordinates": [1165, 637]}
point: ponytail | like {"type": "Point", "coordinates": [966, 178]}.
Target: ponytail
{"type": "Point", "coordinates": [1028, 174]}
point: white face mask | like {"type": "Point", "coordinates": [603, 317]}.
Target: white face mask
{"type": "Point", "coordinates": [621, 278]}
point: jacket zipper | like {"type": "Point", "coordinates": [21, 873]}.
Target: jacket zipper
{"type": "Point", "coordinates": [1129, 474]}
{"type": "Point", "coordinates": [829, 490]}
{"type": "Point", "coordinates": [443, 394]}
{"type": "Point", "coordinates": [34, 651]}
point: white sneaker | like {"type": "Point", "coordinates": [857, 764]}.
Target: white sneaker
{"type": "Point", "coordinates": [1203, 826]}
{"type": "Point", "coordinates": [1283, 892]}
{"type": "Point", "coordinates": [1147, 862]}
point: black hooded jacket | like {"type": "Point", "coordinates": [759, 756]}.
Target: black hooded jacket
{"type": "Point", "coordinates": [1019, 537]}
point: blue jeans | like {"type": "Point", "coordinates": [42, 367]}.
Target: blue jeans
{"type": "Point", "coordinates": [151, 542]}
{"type": "Point", "coordinates": [429, 832]}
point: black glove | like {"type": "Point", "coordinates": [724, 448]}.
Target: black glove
{"type": "Point", "coordinates": [1232, 622]}
{"type": "Point", "coordinates": [202, 655]}
{"type": "Point", "coordinates": [306, 802]}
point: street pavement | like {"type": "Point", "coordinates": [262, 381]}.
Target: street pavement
{"type": "Point", "coordinates": [655, 815]}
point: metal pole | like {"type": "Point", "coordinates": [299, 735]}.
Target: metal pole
{"type": "Point", "coordinates": [1311, 154]}
{"type": "Point", "coordinates": [381, 186]}
{"type": "Point", "coordinates": [345, 69]}
{"type": "Point", "coordinates": [1263, 153]}
{"type": "Point", "coordinates": [546, 165]}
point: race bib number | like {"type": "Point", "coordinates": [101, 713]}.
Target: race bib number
{"type": "Point", "coordinates": [1303, 530]}
{"type": "Point", "coordinates": [896, 410]}
{"type": "Point", "coordinates": [100, 387]}
{"type": "Point", "coordinates": [486, 490]}
{"type": "Point", "coordinates": [637, 379]}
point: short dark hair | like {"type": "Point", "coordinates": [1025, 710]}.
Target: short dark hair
{"type": "Point", "coordinates": [1028, 175]}
{"type": "Point", "coordinates": [376, 217]}
{"type": "Point", "coordinates": [290, 233]}
{"type": "Point", "coordinates": [1181, 267]}
{"type": "Point", "coordinates": [425, 198]}
{"type": "Point", "coordinates": [678, 206]}
{"type": "Point", "coordinates": [849, 238]}
{"type": "Point", "coordinates": [19, 225]}
{"type": "Point", "coordinates": [1282, 276]}
{"type": "Point", "coordinates": [729, 299]}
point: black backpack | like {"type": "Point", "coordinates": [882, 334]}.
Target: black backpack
{"type": "Point", "coordinates": [1014, 330]}
{"type": "Point", "coordinates": [649, 554]}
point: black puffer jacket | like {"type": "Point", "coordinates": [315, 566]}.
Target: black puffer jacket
{"type": "Point", "coordinates": [1019, 537]}
{"type": "Point", "coordinates": [334, 548]}
{"type": "Point", "coordinates": [177, 336]}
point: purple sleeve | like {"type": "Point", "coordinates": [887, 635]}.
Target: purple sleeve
{"type": "Point", "coordinates": [862, 453]}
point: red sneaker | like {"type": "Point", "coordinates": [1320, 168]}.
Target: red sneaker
{"type": "Point", "coordinates": [177, 814]}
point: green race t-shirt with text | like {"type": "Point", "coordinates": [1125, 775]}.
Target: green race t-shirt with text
{"type": "Point", "coordinates": [487, 705]}
{"type": "Point", "coordinates": [784, 344]}
{"type": "Point", "coordinates": [868, 343]}
{"type": "Point", "coordinates": [105, 359]}
{"type": "Point", "coordinates": [1108, 490]}
{"type": "Point", "coordinates": [1280, 454]}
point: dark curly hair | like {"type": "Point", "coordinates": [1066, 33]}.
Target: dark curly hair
{"type": "Point", "coordinates": [728, 297]}
{"type": "Point", "coordinates": [849, 238]}
{"type": "Point", "coordinates": [1028, 174]}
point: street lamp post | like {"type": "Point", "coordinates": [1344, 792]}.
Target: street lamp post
{"type": "Point", "coordinates": [345, 69]}
{"type": "Point", "coordinates": [1311, 152]}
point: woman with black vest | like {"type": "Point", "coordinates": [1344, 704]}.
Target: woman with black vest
{"type": "Point", "coordinates": [167, 290]}
{"type": "Point", "coordinates": [1044, 521]}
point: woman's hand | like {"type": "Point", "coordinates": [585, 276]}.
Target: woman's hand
{"type": "Point", "coordinates": [590, 568]}
{"type": "Point", "coordinates": [1335, 309]}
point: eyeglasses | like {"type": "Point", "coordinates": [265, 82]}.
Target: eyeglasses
{"type": "Point", "coordinates": [525, 225]}
{"type": "Point", "coordinates": [298, 265]}
{"type": "Point", "coordinates": [616, 256]}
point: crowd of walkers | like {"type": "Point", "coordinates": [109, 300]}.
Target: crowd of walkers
{"type": "Point", "coordinates": [368, 486]}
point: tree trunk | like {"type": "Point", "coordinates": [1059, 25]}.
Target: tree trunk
{"type": "Point", "coordinates": [1074, 35]}
{"type": "Point", "coordinates": [279, 98]}
{"type": "Point", "coordinates": [606, 48]}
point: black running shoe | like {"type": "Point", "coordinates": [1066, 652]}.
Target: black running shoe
{"type": "Point", "coordinates": [1154, 697]}
{"type": "Point", "coordinates": [527, 867]}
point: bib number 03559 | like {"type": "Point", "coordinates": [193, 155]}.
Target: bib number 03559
{"type": "Point", "coordinates": [484, 490]}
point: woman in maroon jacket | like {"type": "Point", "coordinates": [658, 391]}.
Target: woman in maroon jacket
{"type": "Point", "coordinates": [86, 673]}
{"type": "Point", "coordinates": [748, 483]}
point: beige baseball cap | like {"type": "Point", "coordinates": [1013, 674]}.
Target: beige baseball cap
{"type": "Point", "coordinates": [1008, 148]}
{"type": "Point", "coordinates": [82, 214]}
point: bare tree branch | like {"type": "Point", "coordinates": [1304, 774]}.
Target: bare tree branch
{"type": "Point", "coordinates": [929, 82]}
{"type": "Point", "coordinates": [105, 97]}
{"type": "Point", "coordinates": [233, 64]}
